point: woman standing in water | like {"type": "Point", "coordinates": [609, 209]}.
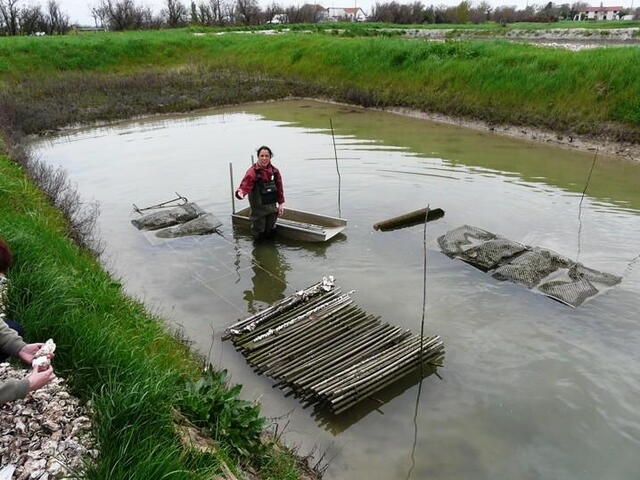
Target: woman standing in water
{"type": "Point", "coordinates": [263, 184]}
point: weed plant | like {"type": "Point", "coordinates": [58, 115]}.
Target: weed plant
{"type": "Point", "coordinates": [211, 405]}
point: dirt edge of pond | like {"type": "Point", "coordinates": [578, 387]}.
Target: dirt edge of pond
{"type": "Point", "coordinates": [604, 146]}
{"type": "Point", "coordinates": [622, 150]}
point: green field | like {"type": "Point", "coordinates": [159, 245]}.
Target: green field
{"type": "Point", "coordinates": [590, 91]}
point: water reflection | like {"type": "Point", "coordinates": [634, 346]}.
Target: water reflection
{"type": "Point", "coordinates": [269, 279]}
{"type": "Point", "coordinates": [375, 405]}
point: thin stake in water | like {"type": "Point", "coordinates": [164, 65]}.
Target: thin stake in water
{"type": "Point", "coordinates": [335, 153]}
{"type": "Point", "coordinates": [580, 206]}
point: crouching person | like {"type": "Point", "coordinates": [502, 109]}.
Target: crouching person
{"type": "Point", "coordinates": [11, 343]}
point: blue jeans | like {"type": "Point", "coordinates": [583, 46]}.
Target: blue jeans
{"type": "Point", "coordinates": [18, 328]}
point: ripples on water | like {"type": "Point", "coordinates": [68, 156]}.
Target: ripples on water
{"type": "Point", "coordinates": [530, 388]}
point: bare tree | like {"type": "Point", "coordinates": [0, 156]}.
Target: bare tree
{"type": "Point", "coordinates": [399, 13]}
{"type": "Point", "coordinates": [57, 21]}
{"type": "Point", "coordinates": [222, 11]}
{"type": "Point", "coordinates": [504, 15]}
{"type": "Point", "coordinates": [125, 15]}
{"type": "Point", "coordinates": [247, 11]}
{"type": "Point", "coordinates": [175, 13]}
{"type": "Point", "coordinates": [480, 13]}
{"type": "Point", "coordinates": [9, 13]}
{"type": "Point", "coordinates": [32, 20]}
{"type": "Point", "coordinates": [271, 11]}
{"type": "Point", "coordinates": [193, 16]}
{"type": "Point", "coordinates": [307, 13]}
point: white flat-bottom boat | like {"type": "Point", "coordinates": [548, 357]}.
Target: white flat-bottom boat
{"type": "Point", "coordinates": [298, 225]}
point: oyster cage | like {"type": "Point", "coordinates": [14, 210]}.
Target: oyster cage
{"type": "Point", "coordinates": [538, 269]}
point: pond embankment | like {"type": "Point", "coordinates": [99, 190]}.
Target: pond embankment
{"type": "Point", "coordinates": [631, 35]}
{"type": "Point", "coordinates": [53, 82]}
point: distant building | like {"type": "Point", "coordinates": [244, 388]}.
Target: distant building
{"type": "Point", "coordinates": [355, 14]}
{"type": "Point", "coordinates": [279, 18]}
{"type": "Point", "coordinates": [599, 13]}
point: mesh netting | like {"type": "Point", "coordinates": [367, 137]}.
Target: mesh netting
{"type": "Point", "coordinates": [493, 253]}
{"type": "Point", "coordinates": [463, 238]}
{"type": "Point", "coordinates": [531, 267]}
{"type": "Point", "coordinates": [580, 271]}
{"type": "Point", "coordinates": [572, 293]}
{"type": "Point", "coordinates": [540, 269]}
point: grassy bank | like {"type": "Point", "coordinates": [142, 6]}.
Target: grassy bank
{"type": "Point", "coordinates": [104, 76]}
{"type": "Point", "coordinates": [115, 354]}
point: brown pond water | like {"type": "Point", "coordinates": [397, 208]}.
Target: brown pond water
{"type": "Point", "coordinates": [531, 389]}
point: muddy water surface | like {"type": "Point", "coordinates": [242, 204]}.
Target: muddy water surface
{"type": "Point", "coordinates": [530, 389]}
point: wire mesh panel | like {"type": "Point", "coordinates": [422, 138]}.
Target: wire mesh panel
{"type": "Point", "coordinates": [493, 253]}
{"type": "Point", "coordinates": [463, 238]}
{"type": "Point", "coordinates": [531, 267]}
{"type": "Point", "coordinates": [571, 293]}
{"type": "Point", "coordinates": [542, 270]}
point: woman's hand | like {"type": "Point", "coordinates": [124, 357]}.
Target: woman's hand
{"type": "Point", "coordinates": [281, 209]}
{"type": "Point", "coordinates": [28, 352]}
{"type": "Point", "coordinates": [240, 194]}
{"type": "Point", "coordinates": [40, 379]}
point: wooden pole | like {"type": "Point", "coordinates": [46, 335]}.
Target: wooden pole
{"type": "Point", "coordinates": [233, 196]}
{"type": "Point", "coordinates": [409, 219]}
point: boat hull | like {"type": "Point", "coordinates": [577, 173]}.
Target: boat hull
{"type": "Point", "coordinates": [298, 225]}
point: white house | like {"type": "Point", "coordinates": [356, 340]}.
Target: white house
{"type": "Point", "coordinates": [355, 14]}
{"type": "Point", "coordinates": [599, 13]}
{"type": "Point", "coordinates": [279, 18]}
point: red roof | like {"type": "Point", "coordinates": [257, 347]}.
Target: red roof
{"type": "Point", "coordinates": [601, 9]}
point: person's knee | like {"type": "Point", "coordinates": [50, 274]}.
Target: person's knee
{"type": "Point", "coordinates": [15, 326]}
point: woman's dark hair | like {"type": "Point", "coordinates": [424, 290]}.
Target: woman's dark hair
{"type": "Point", "coordinates": [6, 258]}
{"type": "Point", "coordinates": [264, 147]}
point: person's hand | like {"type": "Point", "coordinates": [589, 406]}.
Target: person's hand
{"type": "Point", "coordinates": [281, 209]}
{"type": "Point", "coordinates": [240, 194]}
{"type": "Point", "coordinates": [28, 351]}
{"type": "Point", "coordinates": [40, 379]}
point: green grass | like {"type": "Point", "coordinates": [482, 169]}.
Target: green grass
{"type": "Point", "coordinates": [112, 351]}
{"type": "Point", "coordinates": [496, 81]}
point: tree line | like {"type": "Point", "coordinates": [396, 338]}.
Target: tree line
{"type": "Point", "coordinates": [466, 12]}
{"type": "Point", "coordinates": [19, 19]}
{"type": "Point", "coordinates": [127, 14]}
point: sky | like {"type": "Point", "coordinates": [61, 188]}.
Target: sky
{"type": "Point", "coordinates": [79, 11]}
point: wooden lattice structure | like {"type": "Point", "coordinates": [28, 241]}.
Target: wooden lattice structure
{"type": "Point", "coordinates": [320, 346]}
